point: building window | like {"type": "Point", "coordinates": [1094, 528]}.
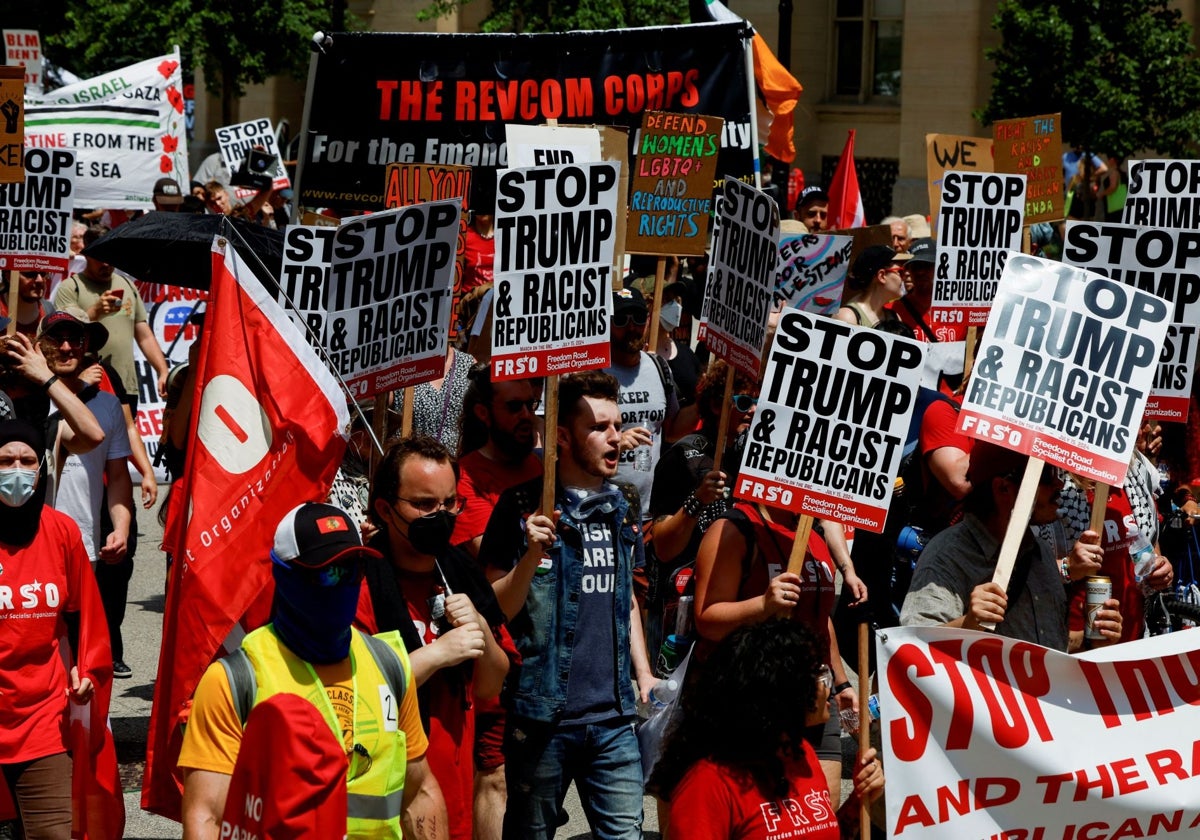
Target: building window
{"type": "Point", "coordinates": [867, 41]}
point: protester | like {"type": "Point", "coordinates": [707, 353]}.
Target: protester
{"type": "Point", "coordinates": [677, 352]}
{"type": "Point", "coordinates": [437, 404]}
{"type": "Point", "coordinates": [478, 269]}
{"type": "Point", "coordinates": [901, 233]}
{"type": "Point", "coordinates": [217, 199]}
{"type": "Point", "coordinates": [167, 195]}
{"type": "Point", "coordinates": [32, 390]}
{"type": "Point", "coordinates": [876, 278]}
{"type": "Point", "coordinates": [363, 686]}
{"type": "Point", "coordinates": [812, 209]}
{"type": "Point", "coordinates": [943, 359]}
{"type": "Point", "coordinates": [42, 554]}
{"type": "Point", "coordinates": [32, 305]}
{"type": "Point", "coordinates": [738, 762]}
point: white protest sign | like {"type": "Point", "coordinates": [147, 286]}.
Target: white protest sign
{"type": "Point", "coordinates": [741, 276]}
{"type": "Point", "coordinates": [979, 222]}
{"type": "Point", "coordinates": [545, 145]}
{"type": "Point", "coordinates": [828, 434]}
{"type": "Point", "coordinates": [304, 277]}
{"type": "Point", "coordinates": [988, 737]}
{"type": "Point", "coordinates": [1162, 262]}
{"type": "Point", "coordinates": [555, 233]}
{"type": "Point", "coordinates": [35, 216]}
{"type": "Point", "coordinates": [812, 271]}
{"type": "Point", "coordinates": [1163, 193]}
{"type": "Point", "coordinates": [24, 46]}
{"type": "Point", "coordinates": [1064, 368]}
{"type": "Point", "coordinates": [237, 139]}
{"type": "Point", "coordinates": [127, 128]}
{"type": "Point", "coordinates": [391, 281]}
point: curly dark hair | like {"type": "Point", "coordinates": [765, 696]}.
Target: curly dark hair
{"type": "Point", "coordinates": [386, 484]}
{"type": "Point", "coordinates": [746, 708]}
{"type": "Point", "coordinates": [710, 390]}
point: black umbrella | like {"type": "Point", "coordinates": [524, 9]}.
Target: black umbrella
{"type": "Point", "coordinates": [175, 249]}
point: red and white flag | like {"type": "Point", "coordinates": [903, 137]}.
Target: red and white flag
{"type": "Point", "coordinates": [845, 200]}
{"type": "Point", "coordinates": [268, 432]}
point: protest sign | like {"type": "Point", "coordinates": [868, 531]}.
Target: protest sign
{"type": "Point", "coordinates": [1064, 368]}
{"type": "Point", "coordinates": [304, 277]}
{"type": "Point", "coordinates": [1165, 263]}
{"type": "Point", "coordinates": [1032, 146]}
{"type": "Point", "coordinates": [812, 271]}
{"type": "Point", "coordinates": [388, 300]}
{"type": "Point", "coordinates": [127, 128]}
{"type": "Point", "coordinates": [238, 139]}
{"type": "Point", "coordinates": [673, 184]}
{"type": "Point", "coordinates": [978, 224]}
{"type": "Point", "coordinates": [546, 145]}
{"type": "Point", "coordinates": [23, 47]}
{"type": "Point", "coordinates": [990, 737]}
{"type": "Point", "coordinates": [741, 284]}
{"type": "Point", "coordinates": [35, 216]}
{"type": "Point", "coordinates": [946, 152]}
{"type": "Point", "coordinates": [1163, 193]}
{"type": "Point", "coordinates": [12, 125]}
{"type": "Point", "coordinates": [828, 434]}
{"type": "Point", "coordinates": [378, 98]}
{"type": "Point", "coordinates": [555, 229]}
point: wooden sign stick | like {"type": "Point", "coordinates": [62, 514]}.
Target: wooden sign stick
{"type": "Point", "coordinates": [406, 416]}
{"type": "Point", "coordinates": [1018, 523]}
{"type": "Point", "coordinates": [969, 354]}
{"type": "Point", "coordinates": [1099, 505]}
{"type": "Point", "coordinates": [800, 546]}
{"type": "Point", "coordinates": [723, 425]}
{"type": "Point", "coordinates": [864, 717]}
{"type": "Point", "coordinates": [660, 275]}
{"type": "Point", "coordinates": [14, 299]}
{"type": "Point", "coordinates": [550, 445]}
{"type": "Point", "coordinates": [379, 425]}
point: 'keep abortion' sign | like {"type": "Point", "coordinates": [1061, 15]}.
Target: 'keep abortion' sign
{"type": "Point", "coordinates": [832, 416]}
{"type": "Point", "coordinates": [1065, 366]}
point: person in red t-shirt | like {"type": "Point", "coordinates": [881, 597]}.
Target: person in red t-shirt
{"type": "Point", "coordinates": [946, 454]}
{"type": "Point", "coordinates": [480, 252]}
{"type": "Point", "coordinates": [737, 765]}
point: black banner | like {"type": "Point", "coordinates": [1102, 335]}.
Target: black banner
{"type": "Point", "coordinates": [381, 98]}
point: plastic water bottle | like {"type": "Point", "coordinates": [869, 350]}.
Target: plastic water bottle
{"type": "Point", "coordinates": [642, 457]}
{"type": "Point", "coordinates": [1141, 553]}
{"type": "Point", "coordinates": [661, 695]}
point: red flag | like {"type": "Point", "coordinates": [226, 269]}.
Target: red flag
{"type": "Point", "coordinates": [845, 200]}
{"type": "Point", "coordinates": [267, 434]}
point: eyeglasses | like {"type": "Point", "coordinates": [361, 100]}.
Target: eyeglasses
{"type": "Point", "coordinates": [744, 402]}
{"type": "Point", "coordinates": [825, 677]}
{"type": "Point", "coordinates": [29, 275]}
{"type": "Point", "coordinates": [452, 505]}
{"type": "Point", "coordinates": [360, 762]}
{"type": "Point", "coordinates": [626, 318]}
{"type": "Point", "coordinates": [515, 406]}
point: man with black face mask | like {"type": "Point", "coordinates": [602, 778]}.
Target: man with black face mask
{"type": "Point", "coordinates": [441, 604]}
{"type": "Point", "coordinates": [362, 685]}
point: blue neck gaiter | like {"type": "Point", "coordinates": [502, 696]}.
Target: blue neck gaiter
{"type": "Point", "coordinates": [314, 621]}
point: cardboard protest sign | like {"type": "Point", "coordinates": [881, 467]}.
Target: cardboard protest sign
{"type": "Point", "coordinates": [555, 231]}
{"type": "Point", "coordinates": [23, 48]}
{"type": "Point", "coordinates": [1163, 193]}
{"type": "Point", "coordinates": [127, 128]}
{"type": "Point", "coordinates": [304, 277]}
{"type": "Point", "coordinates": [1032, 146]}
{"type": "Point", "coordinates": [978, 224]}
{"type": "Point", "coordinates": [35, 216]}
{"type": "Point", "coordinates": [989, 737]}
{"type": "Point", "coordinates": [546, 145]}
{"type": "Point", "coordinates": [237, 139]}
{"type": "Point", "coordinates": [946, 152]}
{"type": "Point", "coordinates": [12, 125]}
{"type": "Point", "coordinates": [673, 184]}
{"type": "Point", "coordinates": [1165, 263]}
{"type": "Point", "coordinates": [741, 276]}
{"type": "Point", "coordinates": [1065, 366]}
{"type": "Point", "coordinates": [812, 271]}
{"type": "Point", "coordinates": [828, 435]}
{"type": "Point", "coordinates": [388, 299]}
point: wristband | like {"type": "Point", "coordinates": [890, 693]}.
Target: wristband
{"type": "Point", "coordinates": [1064, 569]}
{"type": "Point", "coordinates": [46, 385]}
{"type": "Point", "coordinates": [692, 505]}
{"type": "Point", "coordinates": [839, 688]}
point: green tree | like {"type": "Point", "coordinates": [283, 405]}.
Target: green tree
{"type": "Point", "coordinates": [548, 16]}
{"type": "Point", "coordinates": [1123, 73]}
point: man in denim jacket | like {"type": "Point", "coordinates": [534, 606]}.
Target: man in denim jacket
{"type": "Point", "coordinates": [566, 583]}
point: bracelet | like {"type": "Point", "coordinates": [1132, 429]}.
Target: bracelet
{"type": "Point", "coordinates": [46, 385]}
{"type": "Point", "coordinates": [1064, 569]}
{"type": "Point", "coordinates": [839, 688]}
{"type": "Point", "coordinates": [692, 505]}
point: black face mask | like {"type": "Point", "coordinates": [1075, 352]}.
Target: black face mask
{"type": "Point", "coordinates": [430, 534]}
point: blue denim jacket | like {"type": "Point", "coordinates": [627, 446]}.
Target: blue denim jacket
{"type": "Point", "coordinates": [544, 630]}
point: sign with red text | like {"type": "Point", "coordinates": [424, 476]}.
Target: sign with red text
{"type": "Point", "coordinates": [673, 184]}
{"type": "Point", "coordinates": [741, 276]}
{"type": "Point", "coordinates": [990, 737]}
{"type": "Point", "coordinates": [978, 223]}
{"type": "Point", "coordinates": [391, 282]}
{"type": "Point", "coordinates": [23, 48]}
{"type": "Point", "coordinates": [1032, 146]}
{"type": "Point", "coordinates": [253, 135]}
{"type": "Point", "coordinates": [555, 233]}
{"type": "Point", "coordinates": [35, 214]}
{"type": "Point", "coordinates": [1165, 263]}
{"type": "Point", "coordinates": [828, 434]}
{"type": "Point", "coordinates": [1065, 366]}
{"type": "Point", "coordinates": [946, 152]}
{"type": "Point", "coordinates": [812, 271]}
{"type": "Point", "coordinates": [1163, 193]}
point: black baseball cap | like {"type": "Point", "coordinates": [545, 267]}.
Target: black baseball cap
{"type": "Point", "coordinates": [813, 193]}
{"type": "Point", "coordinates": [628, 299]}
{"type": "Point", "coordinates": [314, 535]}
{"type": "Point", "coordinates": [923, 250]}
{"type": "Point", "coordinates": [166, 191]}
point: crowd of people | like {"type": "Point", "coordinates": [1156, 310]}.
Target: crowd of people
{"type": "Point", "coordinates": [473, 651]}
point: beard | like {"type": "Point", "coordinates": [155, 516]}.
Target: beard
{"type": "Point", "coordinates": [630, 343]}
{"type": "Point", "coordinates": [510, 444]}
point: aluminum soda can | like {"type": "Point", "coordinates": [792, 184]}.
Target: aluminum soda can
{"type": "Point", "coordinates": [1099, 590]}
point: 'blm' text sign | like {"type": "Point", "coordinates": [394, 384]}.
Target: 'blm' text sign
{"type": "Point", "coordinates": [555, 231]}
{"type": "Point", "coordinates": [304, 277]}
{"type": "Point", "coordinates": [1163, 193]}
{"type": "Point", "coordinates": [35, 215]}
{"type": "Point", "coordinates": [391, 280]}
{"type": "Point", "coordinates": [1165, 263]}
{"type": "Point", "coordinates": [1065, 366]}
{"type": "Point", "coordinates": [832, 416]}
{"type": "Point", "coordinates": [978, 224]}
{"type": "Point", "coordinates": [741, 284]}
{"type": "Point", "coordinates": [812, 271]}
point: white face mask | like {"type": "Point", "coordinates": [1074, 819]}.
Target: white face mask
{"type": "Point", "coordinates": [670, 314]}
{"type": "Point", "coordinates": [17, 485]}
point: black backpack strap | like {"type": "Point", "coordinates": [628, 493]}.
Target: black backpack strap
{"type": "Point", "coordinates": [243, 685]}
{"type": "Point", "coordinates": [664, 373]}
{"type": "Point", "coordinates": [389, 665]}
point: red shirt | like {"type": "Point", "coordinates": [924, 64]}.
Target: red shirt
{"type": "Point", "coordinates": [1117, 566]}
{"type": "Point", "coordinates": [939, 428]}
{"type": "Point", "coordinates": [716, 802]}
{"type": "Point", "coordinates": [478, 258]}
{"type": "Point", "coordinates": [481, 481]}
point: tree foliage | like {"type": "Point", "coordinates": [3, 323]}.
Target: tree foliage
{"type": "Point", "coordinates": [567, 15]}
{"type": "Point", "coordinates": [1122, 72]}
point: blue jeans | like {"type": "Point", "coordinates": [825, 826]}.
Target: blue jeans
{"type": "Point", "coordinates": [541, 761]}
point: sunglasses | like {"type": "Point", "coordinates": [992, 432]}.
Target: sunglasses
{"type": "Point", "coordinates": [744, 402]}
{"type": "Point", "coordinates": [627, 318]}
{"type": "Point", "coordinates": [73, 338]}
{"type": "Point", "coordinates": [515, 406]}
{"type": "Point", "coordinates": [425, 507]}
{"type": "Point", "coordinates": [29, 275]}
